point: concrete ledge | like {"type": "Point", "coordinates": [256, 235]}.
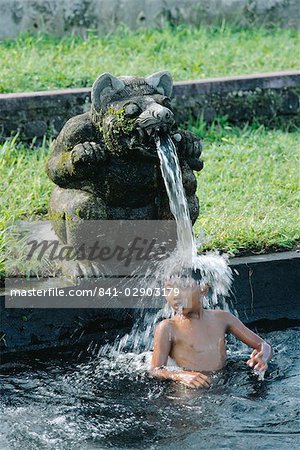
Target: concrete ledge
{"type": "Point", "coordinates": [24, 330]}
{"type": "Point", "coordinates": [272, 99]}
{"type": "Point", "coordinates": [266, 287]}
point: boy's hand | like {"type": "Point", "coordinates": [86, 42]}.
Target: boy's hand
{"type": "Point", "coordinates": [257, 361]}
{"type": "Point", "coordinates": [193, 379]}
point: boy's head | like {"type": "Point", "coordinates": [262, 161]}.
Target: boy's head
{"type": "Point", "coordinates": [185, 292]}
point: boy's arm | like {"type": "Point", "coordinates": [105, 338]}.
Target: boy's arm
{"type": "Point", "coordinates": [161, 351]}
{"type": "Point", "coordinates": [162, 344]}
{"type": "Point", "coordinates": [262, 352]}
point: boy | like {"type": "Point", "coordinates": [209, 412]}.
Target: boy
{"type": "Point", "coordinates": [195, 338]}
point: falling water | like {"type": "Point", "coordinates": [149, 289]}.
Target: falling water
{"type": "Point", "coordinates": [212, 269]}
{"type": "Point", "coordinates": [180, 310]}
{"type": "Point", "coordinates": [172, 176]}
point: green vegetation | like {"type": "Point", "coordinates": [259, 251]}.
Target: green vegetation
{"type": "Point", "coordinates": [248, 189]}
{"type": "Point", "coordinates": [43, 62]}
{"type": "Point", "coordinates": [25, 187]}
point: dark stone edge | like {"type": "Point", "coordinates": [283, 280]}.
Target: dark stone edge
{"type": "Point", "coordinates": [270, 98]}
{"type": "Point", "coordinates": [274, 80]}
{"type": "Point", "coordinates": [265, 290]}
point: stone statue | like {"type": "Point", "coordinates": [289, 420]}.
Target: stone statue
{"type": "Point", "coordinates": [105, 163]}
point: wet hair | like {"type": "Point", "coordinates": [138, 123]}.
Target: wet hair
{"type": "Point", "coordinates": [185, 278]}
{"type": "Point", "coordinates": [183, 273]}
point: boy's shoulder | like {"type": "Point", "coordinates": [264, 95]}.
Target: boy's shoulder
{"type": "Point", "coordinates": [220, 314]}
{"type": "Point", "coordinates": [164, 328]}
{"type": "Point", "coordinates": [165, 323]}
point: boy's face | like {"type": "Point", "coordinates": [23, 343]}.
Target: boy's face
{"type": "Point", "coordinates": [187, 294]}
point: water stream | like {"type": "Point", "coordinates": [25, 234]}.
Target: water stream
{"type": "Point", "coordinates": [172, 176]}
{"type": "Point", "coordinates": [213, 269]}
{"type": "Point", "coordinates": [184, 263]}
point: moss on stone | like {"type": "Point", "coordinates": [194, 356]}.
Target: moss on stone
{"type": "Point", "coordinates": [122, 123]}
{"type": "Point", "coordinates": [78, 212]}
{"type": "Point", "coordinates": [55, 216]}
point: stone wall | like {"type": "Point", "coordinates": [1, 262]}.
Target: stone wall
{"type": "Point", "coordinates": [265, 287]}
{"type": "Point", "coordinates": [270, 99]}
{"type": "Point", "coordinates": [60, 17]}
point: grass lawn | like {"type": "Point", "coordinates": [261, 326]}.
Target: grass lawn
{"type": "Point", "coordinates": [41, 62]}
{"type": "Point", "coordinates": [248, 189]}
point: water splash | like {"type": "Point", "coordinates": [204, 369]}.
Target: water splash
{"type": "Point", "coordinates": [260, 374]}
{"type": "Point", "coordinates": [180, 310]}
{"type": "Point", "coordinates": [210, 269]}
{"type": "Point", "coordinates": [56, 402]}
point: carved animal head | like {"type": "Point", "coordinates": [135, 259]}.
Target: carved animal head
{"type": "Point", "coordinates": [130, 111]}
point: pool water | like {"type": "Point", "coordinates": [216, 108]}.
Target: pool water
{"type": "Point", "coordinates": [78, 401]}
